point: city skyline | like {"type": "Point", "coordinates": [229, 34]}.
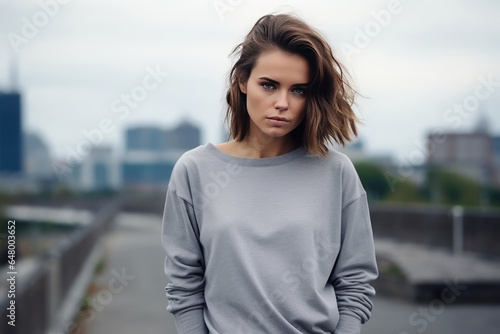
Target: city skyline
{"type": "Point", "coordinates": [416, 75]}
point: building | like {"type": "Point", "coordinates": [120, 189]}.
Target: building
{"type": "Point", "coordinates": [151, 152]}
{"type": "Point", "coordinates": [475, 155]}
{"type": "Point", "coordinates": [37, 162]}
{"type": "Point", "coordinates": [147, 168]}
{"type": "Point", "coordinates": [99, 171]}
{"type": "Point", "coordinates": [11, 147]}
{"type": "Point", "coordinates": [145, 138]}
{"type": "Point", "coordinates": [184, 136]}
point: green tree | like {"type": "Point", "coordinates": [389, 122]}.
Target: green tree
{"type": "Point", "coordinates": [449, 187]}
{"type": "Point", "coordinates": [372, 176]}
{"type": "Point", "coordinates": [405, 192]}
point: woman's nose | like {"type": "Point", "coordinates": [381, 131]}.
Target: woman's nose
{"type": "Point", "coordinates": [282, 100]}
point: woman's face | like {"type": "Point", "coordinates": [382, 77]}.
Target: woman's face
{"type": "Point", "coordinates": [276, 93]}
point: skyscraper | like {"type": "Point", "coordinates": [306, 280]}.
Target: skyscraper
{"type": "Point", "coordinates": [151, 152]}
{"type": "Point", "coordinates": [11, 160]}
{"type": "Point", "coordinates": [184, 136]}
{"type": "Point", "coordinates": [145, 138]}
{"type": "Point", "coordinates": [36, 157]}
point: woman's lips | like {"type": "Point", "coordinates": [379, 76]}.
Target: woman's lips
{"type": "Point", "coordinates": [278, 121]}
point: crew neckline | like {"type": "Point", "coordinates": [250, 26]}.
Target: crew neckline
{"type": "Point", "coordinates": [279, 159]}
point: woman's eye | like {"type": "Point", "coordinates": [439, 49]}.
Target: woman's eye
{"type": "Point", "coordinates": [267, 86]}
{"type": "Point", "coordinates": [299, 91]}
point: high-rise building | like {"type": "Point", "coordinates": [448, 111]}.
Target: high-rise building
{"type": "Point", "coordinates": [184, 136]}
{"type": "Point", "coordinates": [151, 152]}
{"type": "Point", "coordinates": [11, 148]}
{"type": "Point", "coordinates": [147, 168]}
{"type": "Point", "coordinates": [145, 138]}
{"type": "Point", "coordinates": [470, 154]}
{"type": "Point", "coordinates": [37, 162]}
{"type": "Point", "coordinates": [99, 170]}
{"type": "Point", "coordinates": [475, 154]}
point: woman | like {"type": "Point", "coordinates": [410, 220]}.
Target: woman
{"type": "Point", "coordinates": [270, 232]}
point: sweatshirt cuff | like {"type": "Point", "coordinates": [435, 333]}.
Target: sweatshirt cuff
{"type": "Point", "coordinates": [348, 324]}
{"type": "Point", "coordinates": [191, 322]}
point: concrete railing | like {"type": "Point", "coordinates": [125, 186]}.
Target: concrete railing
{"type": "Point", "coordinates": [48, 300]}
{"type": "Point", "coordinates": [435, 227]}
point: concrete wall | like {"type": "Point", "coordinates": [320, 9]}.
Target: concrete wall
{"type": "Point", "coordinates": [433, 226]}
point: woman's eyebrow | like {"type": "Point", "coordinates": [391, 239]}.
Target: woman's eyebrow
{"type": "Point", "coordinates": [277, 83]}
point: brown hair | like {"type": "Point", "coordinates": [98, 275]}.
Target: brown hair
{"type": "Point", "coordinates": [329, 114]}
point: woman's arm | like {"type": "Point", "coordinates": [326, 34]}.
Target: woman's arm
{"type": "Point", "coordinates": [355, 268]}
{"type": "Point", "coordinates": [184, 264]}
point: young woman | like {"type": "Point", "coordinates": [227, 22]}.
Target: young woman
{"type": "Point", "coordinates": [270, 232]}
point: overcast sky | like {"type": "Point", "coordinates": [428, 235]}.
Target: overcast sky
{"type": "Point", "coordinates": [413, 66]}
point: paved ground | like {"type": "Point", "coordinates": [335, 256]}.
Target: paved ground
{"type": "Point", "coordinates": [134, 250]}
{"type": "Point", "coordinates": [136, 303]}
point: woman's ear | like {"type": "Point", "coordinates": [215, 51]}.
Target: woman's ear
{"type": "Point", "coordinates": [243, 86]}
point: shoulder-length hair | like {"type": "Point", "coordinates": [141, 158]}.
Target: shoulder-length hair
{"type": "Point", "coordinates": [330, 97]}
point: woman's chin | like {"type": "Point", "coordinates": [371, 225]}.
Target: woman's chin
{"type": "Point", "coordinates": [276, 133]}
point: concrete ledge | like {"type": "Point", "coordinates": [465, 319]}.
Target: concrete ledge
{"type": "Point", "coordinates": [421, 274]}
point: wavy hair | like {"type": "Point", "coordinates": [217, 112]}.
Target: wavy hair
{"type": "Point", "coordinates": [329, 115]}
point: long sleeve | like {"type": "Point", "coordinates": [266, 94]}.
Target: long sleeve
{"type": "Point", "coordinates": [184, 264]}
{"type": "Point", "coordinates": [355, 268]}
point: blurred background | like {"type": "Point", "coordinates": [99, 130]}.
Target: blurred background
{"type": "Point", "coordinates": [98, 99]}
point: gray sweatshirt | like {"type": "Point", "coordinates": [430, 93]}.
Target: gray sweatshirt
{"type": "Point", "coordinates": [267, 246]}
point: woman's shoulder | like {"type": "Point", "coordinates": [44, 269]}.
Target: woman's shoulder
{"type": "Point", "coordinates": [338, 160]}
{"type": "Point", "coordinates": [338, 163]}
{"type": "Point", "coordinates": [343, 165]}
{"type": "Point", "coordinates": [189, 159]}
{"type": "Point", "coordinates": [185, 167]}
{"type": "Point", "coordinates": [194, 160]}
{"type": "Point", "coordinates": [192, 155]}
